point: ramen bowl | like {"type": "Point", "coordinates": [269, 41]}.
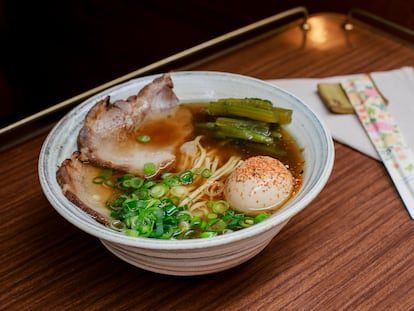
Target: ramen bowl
{"type": "Point", "coordinates": [194, 256]}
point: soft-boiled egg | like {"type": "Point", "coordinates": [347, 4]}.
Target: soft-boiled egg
{"type": "Point", "coordinates": [260, 183]}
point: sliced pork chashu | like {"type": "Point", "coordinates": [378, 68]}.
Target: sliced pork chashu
{"type": "Point", "coordinates": [108, 138]}
{"type": "Point", "coordinates": [75, 178]}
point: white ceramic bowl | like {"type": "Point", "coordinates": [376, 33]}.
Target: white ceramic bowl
{"type": "Point", "coordinates": [198, 256]}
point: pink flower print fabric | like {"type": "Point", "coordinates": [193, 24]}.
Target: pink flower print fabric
{"type": "Point", "coordinates": [384, 133]}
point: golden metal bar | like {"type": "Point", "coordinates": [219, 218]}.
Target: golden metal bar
{"type": "Point", "coordinates": [359, 13]}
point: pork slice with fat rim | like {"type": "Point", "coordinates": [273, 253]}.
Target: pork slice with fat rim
{"type": "Point", "coordinates": [108, 137]}
{"type": "Point", "coordinates": [76, 180]}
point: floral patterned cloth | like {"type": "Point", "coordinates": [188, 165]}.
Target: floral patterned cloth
{"type": "Point", "coordinates": [384, 133]}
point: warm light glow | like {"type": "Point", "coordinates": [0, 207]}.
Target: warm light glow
{"type": "Point", "coordinates": [325, 34]}
{"type": "Point", "coordinates": [318, 33]}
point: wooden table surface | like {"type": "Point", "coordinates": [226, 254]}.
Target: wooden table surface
{"type": "Point", "coordinates": [352, 248]}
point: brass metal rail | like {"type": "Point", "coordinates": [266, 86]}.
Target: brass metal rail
{"type": "Point", "coordinates": [389, 27]}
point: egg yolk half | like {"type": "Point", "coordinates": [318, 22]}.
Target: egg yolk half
{"type": "Point", "coordinates": [260, 183]}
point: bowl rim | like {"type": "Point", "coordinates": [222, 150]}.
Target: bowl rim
{"type": "Point", "coordinates": [102, 232]}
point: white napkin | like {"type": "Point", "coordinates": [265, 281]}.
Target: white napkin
{"type": "Point", "coordinates": [397, 86]}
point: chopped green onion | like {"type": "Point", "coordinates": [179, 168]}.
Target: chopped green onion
{"type": "Point", "coordinates": [109, 183]}
{"type": "Point", "coordinates": [206, 173]}
{"type": "Point", "coordinates": [171, 181]}
{"type": "Point", "coordinates": [184, 226]}
{"type": "Point", "coordinates": [171, 210]}
{"type": "Point", "coordinates": [145, 230]}
{"type": "Point", "coordinates": [234, 222]}
{"type": "Point", "coordinates": [179, 191]}
{"type": "Point", "coordinates": [131, 232]}
{"type": "Point", "coordinates": [211, 216]}
{"type": "Point", "coordinates": [196, 221]}
{"type": "Point", "coordinates": [246, 222]}
{"type": "Point", "coordinates": [150, 168]}
{"type": "Point", "coordinates": [184, 215]}
{"type": "Point", "coordinates": [143, 138]}
{"type": "Point", "coordinates": [151, 208]}
{"type": "Point", "coordinates": [260, 217]}
{"type": "Point", "coordinates": [99, 180]}
{"type": "Point", "coordinates": [219, 207]}
{"type": "Point", "coordinates": [168, 232]}
{"type": "Point", "coordinates": [115, 201]}
{"type": "Point", "coordinates": [131, 221]}
{"type": "Point", "coordinates": [159, 190]}
{"type": "Point", "coordinates": [167, 175]}
{"type": "Point", "coordinates": [142, 193]}
{"type": "Point", "coordinates": [136, 182]}
{"type": "Point", "coordinates": [133, 182]}
{"type": "Point", "coordinates": [127, 176]}
{"type": "Point", "coordinates": [186, 177]}
{"type": "Point", "coordinates": [207, 234]}
{"type": "Point", "coordinates": [217, 225]}
{"type": "Point", "coordinates": [149, 183]}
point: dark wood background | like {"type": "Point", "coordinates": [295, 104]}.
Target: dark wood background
{"type": "Point", "coordinates": [53, 50]}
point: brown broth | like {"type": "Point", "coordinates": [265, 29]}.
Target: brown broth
{"type": "Point", "coordinates": [168, 130]}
